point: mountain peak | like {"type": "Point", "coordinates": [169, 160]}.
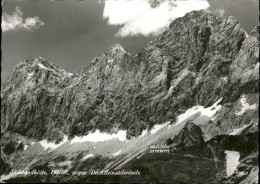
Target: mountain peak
{"type": "Point", "coordinates": [31, 73]}
{"type": "Point", "coordinates": [114, 54]}
{"type": "Point", "coordinates": [39, 62]}
{"type": "Point", "coordinates": [118, 47]}
{"type": "Point", "coordinates": [115, 51]}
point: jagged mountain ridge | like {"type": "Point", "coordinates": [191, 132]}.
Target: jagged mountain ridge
{"type": "Point", "coordinates": [185, 66]}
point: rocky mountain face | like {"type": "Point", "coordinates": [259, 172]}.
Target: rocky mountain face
{"type": "Point", "coordinates": [201, 59]}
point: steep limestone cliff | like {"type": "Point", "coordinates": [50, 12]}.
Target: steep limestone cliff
{"type": "Point", "coordinates": [187, 65]}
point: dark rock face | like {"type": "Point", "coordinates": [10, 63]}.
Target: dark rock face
{"type": "Point", "coordinates": [244, 71]}
{"type": "Point", "coordinates": [190, 135]}
{"type": "Point", "coordinates": [183, 67]}
{"type": "Point", "coordinates": [244, 144]}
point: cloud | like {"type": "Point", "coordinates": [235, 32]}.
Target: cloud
{"type": "Point", "coordinates": [220, 12]}
{"type": "Point", "coordinates": [143, 17]}
{"type": "Point", "coordinates": [16, 21]}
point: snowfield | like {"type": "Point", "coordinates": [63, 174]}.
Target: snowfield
{"type": "Point", "coordinates": [45, 144]}
{"type": "Point", "coordinates": [97, 136]}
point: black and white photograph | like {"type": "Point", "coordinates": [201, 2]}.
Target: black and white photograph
{"type": "Point", "coordinates": [130, 91]}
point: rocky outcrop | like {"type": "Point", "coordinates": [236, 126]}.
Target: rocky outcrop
{"type": "Point", "coordinates": [245, 66]}
{"type": "Point", "coordinates": [190, 135]}
{"type": "Point", "coordinates": [240, 85]}
{"type": "Point", "coordinates": [244, 70]}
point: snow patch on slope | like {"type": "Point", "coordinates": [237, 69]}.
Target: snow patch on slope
{"type": "Point", "coordinates": [97, 136]}
{"type": "Point", "coordinates": [245, 106]}
{"type": "Point", "coordinates": [87, 156]}
{"type": "Point", "coordinates": [184, 73]}
{"type": "Point", "coordinates": [25, 147]}
{"type": "Point", "coordinates": [238, 130]}
{"type": "Point", "coordinates": [209, 111]}
{"type": "Point", "coordinates": [144, 132]}
{"type": "Point", "coordinates": [156, 128]}
{"type": "Point", "coordinates": [117, 153]}
{"type": "Point", "coordinates": [30, 74]}
{"type": "Point", "coordinates": [45, 144]}
{"type": "Point", "coordinates": [68, 74]}
{"type": "Point", "coordinates": [41, 66]}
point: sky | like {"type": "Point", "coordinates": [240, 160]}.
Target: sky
{"type": "Point", "coordinates": [70, 33]}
